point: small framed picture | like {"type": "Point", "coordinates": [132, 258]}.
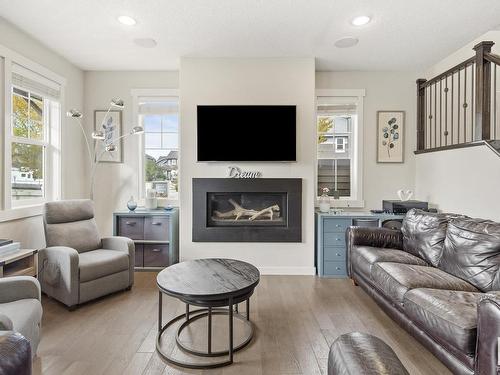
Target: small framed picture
{"type": "Point", "coordinates": [390, 136]}
{"type": "Point", "coordinates": [111, 125]}
{"type": "Point", "coordinates": [161, 188]}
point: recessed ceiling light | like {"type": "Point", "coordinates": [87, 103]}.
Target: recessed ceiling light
{"type": "Point", "coordinates": [346, 42]}
{"type": "Point", "coordinates": [360, 20]}
{"type": "Point", "coordinates": [126, 20]}
{"type": "Point", "coordinates": [145, 42]}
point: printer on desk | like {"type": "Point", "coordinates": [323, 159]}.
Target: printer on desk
{"type": "Point", "coordinates": [402, 207]}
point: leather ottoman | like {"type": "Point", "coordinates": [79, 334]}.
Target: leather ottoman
{"type": "Point", "coordinates": [363, 354]}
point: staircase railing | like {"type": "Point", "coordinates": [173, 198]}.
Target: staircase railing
{"type": "Point", "coordinates": [458, 108]}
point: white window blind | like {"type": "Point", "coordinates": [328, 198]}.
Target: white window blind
{"type": "Point", "coordinates": [29, 80]}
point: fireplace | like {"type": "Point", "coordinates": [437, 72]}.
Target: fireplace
{"type": "Point", "coordinates": [247, 210]}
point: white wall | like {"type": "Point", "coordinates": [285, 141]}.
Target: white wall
{"type": "Point", "coordinates": [384, 91]}
{"type": "Point", "coordinates": [115, 183]}
{"type": "Point", "coordinates": [30, 231]}
{"type": "Point", "coordinates": [464, 180]}
{"type": "Point", "coordinates": [250, 81]}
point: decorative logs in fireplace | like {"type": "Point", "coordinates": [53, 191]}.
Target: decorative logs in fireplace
{"type": "Point", "coordinates": [247, 210]}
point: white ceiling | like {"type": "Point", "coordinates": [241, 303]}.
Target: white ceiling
{"type": "Point", "coordinates": [404, 34]}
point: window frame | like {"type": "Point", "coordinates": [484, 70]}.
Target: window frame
{"type": "Point", "coordinates": [53, 162]}
{"type": "Point", "coordinates": [356, 144]}
{"type": "Point", "coordinates": [137, 94]}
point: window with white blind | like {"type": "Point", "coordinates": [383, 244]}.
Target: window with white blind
{"type": "Point", "coordinates": [32, 151]}
{"type": "Point", "coordinates": [339, 115]}
{"type": "Point", "coordinates": [158, 114]}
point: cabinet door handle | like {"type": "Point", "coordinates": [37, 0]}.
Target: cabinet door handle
{"type": "Point", "coordinates": [156, 223]}
{"type": "Point", "coordinates": [156, 250]}
{"type": "Point", "coordinates": [338, 225]}
{"type": "Point", "coordinates": [338, 239]}
{"type": "Point", "coordinates": [338, 254]}
{"type": "Point", "coordinates": [130, 222]}
{"type": "Point", "coordinates": [337, 268]}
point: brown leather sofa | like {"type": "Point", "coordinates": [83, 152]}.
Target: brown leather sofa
{"type": "Point", "coordinates": [439, 278]}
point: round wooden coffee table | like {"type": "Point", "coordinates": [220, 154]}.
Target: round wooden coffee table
{"type": "Point", "coordinates": [216, 285]}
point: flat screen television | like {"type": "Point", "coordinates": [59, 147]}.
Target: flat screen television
{"type": "Point", "coordinates": [246, 133]}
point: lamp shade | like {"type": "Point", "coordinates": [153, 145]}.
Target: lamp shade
{"type": "Point", "coordinates": [98, 135]}
{"type": "Point", "coordinates": [74, 113]}
{"type": "Point", "coordinates": [117, 103]}
{"type": "Point", "coordinates": [137, 130]}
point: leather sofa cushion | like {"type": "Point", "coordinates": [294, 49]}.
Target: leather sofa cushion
{"type": "Point", "coordinates": [360, 353]}
{"type": "Point", "coordinates": [364, 257]}
{"type": "Point", "coordinates": [472, 252]}
{"type": "Point", "coordinates": [395, 279]}
{"type": "Point", "coordinates": [424, 234]}
{"type": "Point", "coordinates": [15, 354]}
{"type": "Point", "coordinates": [99, 263]}
{"type": "Point", "coordinates": [450, 316]}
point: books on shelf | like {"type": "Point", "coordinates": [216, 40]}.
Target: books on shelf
{"type": "Point", "coordinates": [4, 241]}
{"type": "Point", "coordinates": [9, 248]}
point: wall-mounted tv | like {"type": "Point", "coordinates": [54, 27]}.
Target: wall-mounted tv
{"type": "Point", "coordinates": [246, 133]}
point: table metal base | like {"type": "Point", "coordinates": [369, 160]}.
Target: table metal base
{"type": "Point", "coordinates": [194, 315]}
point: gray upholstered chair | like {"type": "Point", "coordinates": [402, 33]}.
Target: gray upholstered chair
{"type": "Point", "coordinates": [20, 308]}
{"type": "Point", "coordinates": [77, 265]}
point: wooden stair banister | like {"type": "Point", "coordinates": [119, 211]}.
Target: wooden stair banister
{"type": "Point", "coordinates": [456, 107]}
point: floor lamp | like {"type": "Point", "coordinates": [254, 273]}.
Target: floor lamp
{"type": "Point", "coordinates": [99, 136]}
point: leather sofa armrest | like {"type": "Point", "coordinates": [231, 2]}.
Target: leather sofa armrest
{"type": "Point", "coordinates": [488, 333]}
{"type": "Point", "coordinates": [376, 237]}
{"type": "Point", "coordinates": [19, 287]}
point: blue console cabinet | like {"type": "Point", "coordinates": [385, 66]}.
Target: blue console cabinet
{"type": "Point", "coordinates": [331, 251]}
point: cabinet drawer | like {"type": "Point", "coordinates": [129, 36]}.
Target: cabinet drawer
{"type": "Point", "coordinates": [335, 268]}
{"type": "Point", "coordinates": [131, 227]}
{"type": "Point", "coordinates": [334, 239]}
{"type": "Point", "coordinates": [139, 255]}
{"type": "Point", "coordinates": [156, 255]}
{"type": "Point", "coordinates": [335, 254]}
{"type": "Point", "coordinates": [156, 228]}
{"type": "Point", "coordinates": [335, 225]}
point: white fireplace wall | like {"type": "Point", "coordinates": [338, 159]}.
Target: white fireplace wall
{"type": "Point", "coordinates": [285, 81]}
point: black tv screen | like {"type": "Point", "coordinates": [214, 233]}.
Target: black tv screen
{"type": "Point", "coordinates": [246, 133]}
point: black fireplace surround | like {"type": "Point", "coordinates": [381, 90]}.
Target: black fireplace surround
{"type": "Point", "coordinates": [247, 210]}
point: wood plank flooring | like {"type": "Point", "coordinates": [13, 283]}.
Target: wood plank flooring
{"type": "Point", "coordinates": [296, 317]}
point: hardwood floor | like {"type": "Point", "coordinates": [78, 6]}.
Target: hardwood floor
{"type": "Point", "coordinates": [296, 317]}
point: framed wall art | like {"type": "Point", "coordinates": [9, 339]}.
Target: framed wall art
{"type": "Point", "coordinates": [111, 126]}
{"type": "Point", "coordinates": [390, 136]}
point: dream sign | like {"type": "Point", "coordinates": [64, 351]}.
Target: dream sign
{"type": "Point", "coordinates": [236, 172]}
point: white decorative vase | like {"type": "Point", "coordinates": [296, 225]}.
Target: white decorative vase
{"type": "Point", "coordinates": [324, 203]}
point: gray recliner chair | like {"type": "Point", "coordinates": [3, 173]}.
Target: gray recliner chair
{"type": "Point", "coordinates": [77, 265]}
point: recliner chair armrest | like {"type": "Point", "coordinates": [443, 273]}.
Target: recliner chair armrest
{"type": "Point", "coordinates": [58, 272]}
{"type": "Point", "coordinates": [19, 287]}
{"type": "Point", "coordinates": [488, 333]}
{"type": "Point", "coordinates": [124, 244]}
{"type": "Point", "coordinates": [119, 243]}
{"type": "Point", "coordinates": [376, 237]}
{"type": "Point", "coordinates": [5, 323]}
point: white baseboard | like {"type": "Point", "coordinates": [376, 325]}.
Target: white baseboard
{"type": "Point", "coordinates": [287, 270]}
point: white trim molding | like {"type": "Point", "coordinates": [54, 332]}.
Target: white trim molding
{"type": "Point", "coordinates": [308, 271]}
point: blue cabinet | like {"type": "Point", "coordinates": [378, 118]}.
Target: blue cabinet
{"type": "Point", "coordinates": [155, 234]}
{"type": "Point", "coordinates": [331, 251]}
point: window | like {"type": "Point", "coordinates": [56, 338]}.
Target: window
{"type": "Point", "coordinates": [340, 144]}
{"type": "Point", "coordinates": [339, 124]}
{"type": "Point", "coordinates": [159, 116]}
{"type": "Point", "coordinates": [32, 139]}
